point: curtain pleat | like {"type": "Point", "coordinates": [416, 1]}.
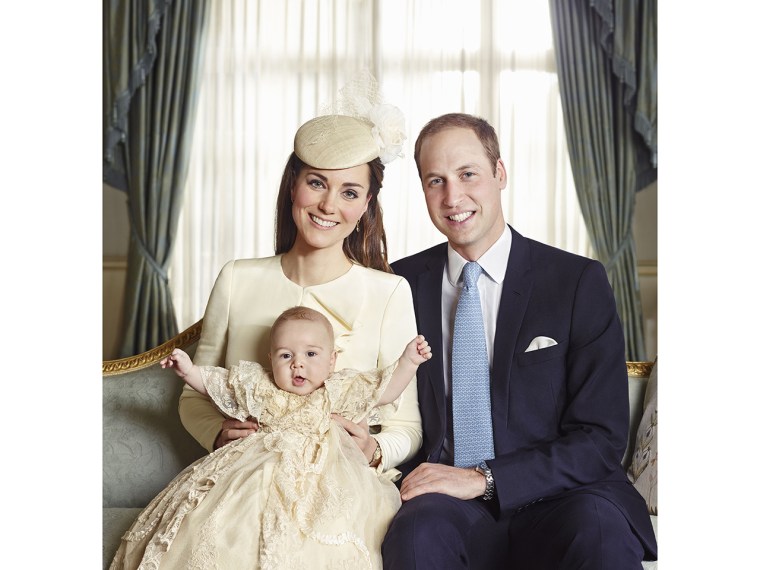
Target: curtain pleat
{"type": "Point", "coordinates": [605, 106]}
{"type": "Point", "coordinates": [151, 62]}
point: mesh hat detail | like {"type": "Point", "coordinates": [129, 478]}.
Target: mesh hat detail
{"type": "Point", "coordinates": [356, 130]}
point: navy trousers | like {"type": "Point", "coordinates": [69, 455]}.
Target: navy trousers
{"type": "Point", "coordinates": [580, 530]}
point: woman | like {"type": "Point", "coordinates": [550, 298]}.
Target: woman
{"type": "Point", "coordinates": [330, 256]}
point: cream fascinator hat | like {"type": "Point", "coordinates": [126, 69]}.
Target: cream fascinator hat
{"type": "Point", "coordinates": [357, 130]}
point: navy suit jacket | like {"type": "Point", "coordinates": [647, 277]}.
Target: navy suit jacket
{"type": "Point", "coordinates": [560, 414]}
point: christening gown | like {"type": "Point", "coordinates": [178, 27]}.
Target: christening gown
{"type": "Point", "coordinates": [296, 494]}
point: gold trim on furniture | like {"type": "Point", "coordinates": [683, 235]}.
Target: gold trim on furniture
{"type": "Point", "coordinates": [639, 369]}
{"type": "Point", "coordinates": [145, 359]}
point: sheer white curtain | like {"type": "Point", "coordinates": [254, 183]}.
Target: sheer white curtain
{"type": "Point", "coordinates": [270, 66]}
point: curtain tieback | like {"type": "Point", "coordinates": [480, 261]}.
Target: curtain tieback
{"type": "Point", "coordinates": [615, 257]}
{"type": "Point", "coordinates": [148, 256]}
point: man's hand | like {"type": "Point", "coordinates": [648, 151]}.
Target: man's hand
{"type": "Point", "coordinates": [360, 434]}
{"type": "Point", "coordinates": [439, 478]}
{"type": "Point", "coordinates": [235, 429]}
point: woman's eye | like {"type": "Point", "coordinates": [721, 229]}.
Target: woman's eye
{"type": "Point", "coordinates": [350, 194]}
{"type": "Point", "coordinates": [315, 183]}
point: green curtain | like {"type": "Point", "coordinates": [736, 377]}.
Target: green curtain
{"type": "Point", "coordinates": [607, 65]}
{"type": "Point", "coordinates": [151, 70]}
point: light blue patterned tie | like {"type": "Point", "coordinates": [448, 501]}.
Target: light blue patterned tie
{"type": "Point", "coordinates": [470, 386]}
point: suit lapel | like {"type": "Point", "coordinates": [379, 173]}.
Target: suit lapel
{"type": "Point", "coordinates": [515, 294]}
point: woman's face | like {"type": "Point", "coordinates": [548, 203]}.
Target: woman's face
{"type": "Point", "coordinates": [327, 204]}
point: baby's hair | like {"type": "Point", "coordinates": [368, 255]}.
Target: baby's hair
{"type": "Point", "coordinates": [303, 314]}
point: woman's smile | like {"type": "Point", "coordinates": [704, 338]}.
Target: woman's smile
{"type": "Point", "coordinates": [322, 222]}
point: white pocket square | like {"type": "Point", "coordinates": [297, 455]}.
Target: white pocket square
{"type": "Point", "coordinates": [540, 342]}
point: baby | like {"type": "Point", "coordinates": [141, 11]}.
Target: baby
{"type": "Point", "coordinates": [298, 493]}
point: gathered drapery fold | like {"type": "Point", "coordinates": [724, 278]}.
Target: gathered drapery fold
{"type": "Point", "coordinates": [629, 37]}
{"type": "Point", "coordinates": [607, 67]}
{"type": "Point", "coordinates": [152, 55]}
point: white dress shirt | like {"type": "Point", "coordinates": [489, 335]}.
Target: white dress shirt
{"type": "Point", "coordinates": [490, 283]}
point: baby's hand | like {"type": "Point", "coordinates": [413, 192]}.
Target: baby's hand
{"type": "Point", "coordinates": [179, 360]}
{"type": "Point", "coordinates": [418, 350]}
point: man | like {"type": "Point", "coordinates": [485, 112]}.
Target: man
{"type": "Point", "coordinates": [550, 492]}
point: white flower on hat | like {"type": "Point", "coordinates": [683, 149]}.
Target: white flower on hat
{"type": "Point", "coordinates": [387, 130]}
{"type": "Point", "coordinates": [330, 141]}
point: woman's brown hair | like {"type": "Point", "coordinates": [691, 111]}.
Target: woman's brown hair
{"type": "Point", "coordinates": [367, 246]}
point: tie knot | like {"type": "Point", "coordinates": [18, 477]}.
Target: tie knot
{"type": "Point", "coordinates": [471, 273]}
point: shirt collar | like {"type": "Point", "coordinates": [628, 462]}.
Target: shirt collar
{"type": "Point", "coordinates": [493, 261]}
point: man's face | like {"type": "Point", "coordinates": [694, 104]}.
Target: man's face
{"type": "Point", "coordinates": [462, 193]}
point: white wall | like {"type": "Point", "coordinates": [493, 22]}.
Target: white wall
{"type": "Point", "coordinates": [115, 245]}
{"type": "Point", "coordinates": [645, 236]}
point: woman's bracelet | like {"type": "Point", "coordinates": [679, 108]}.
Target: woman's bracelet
{"type": "Point", "coordinates": [377, 455]}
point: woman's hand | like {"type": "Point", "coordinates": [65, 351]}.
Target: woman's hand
{"type": "Point", "coordinates": [235, 429]}
{"type": "Point", "coordinates": [360, 434]}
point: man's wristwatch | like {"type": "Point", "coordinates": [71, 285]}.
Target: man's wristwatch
{"type": "Point", "coordinates": [485, 470]}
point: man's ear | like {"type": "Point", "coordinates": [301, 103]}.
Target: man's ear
{"type": "Point", "coordinates": [501, 174]}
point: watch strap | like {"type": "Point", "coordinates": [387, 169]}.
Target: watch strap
{"type": "Point", "coordinates": [485, 470]}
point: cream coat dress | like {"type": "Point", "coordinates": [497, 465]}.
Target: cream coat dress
{"type": "Point", "coordinates": [371, 313]}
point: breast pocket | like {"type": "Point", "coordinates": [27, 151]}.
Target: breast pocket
{"type": "Point", "coordinates": [537, 393]}
{"type": "Point", "coordinates": [542, 354]}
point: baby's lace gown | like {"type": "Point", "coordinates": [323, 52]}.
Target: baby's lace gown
{"type": "Point", "coordinates": [296, 494]}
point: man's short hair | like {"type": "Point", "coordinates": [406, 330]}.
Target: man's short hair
{"type": "Point", "coordinates": [482, 129]}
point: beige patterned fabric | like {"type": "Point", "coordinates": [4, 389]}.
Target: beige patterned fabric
{"type": "Point", "coordinates": [643, 470]}
{"type": "Point", "coordinates": [296, 494]}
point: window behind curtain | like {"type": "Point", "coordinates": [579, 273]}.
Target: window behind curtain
{"type": "Point", "coordinates": [270, 66]}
